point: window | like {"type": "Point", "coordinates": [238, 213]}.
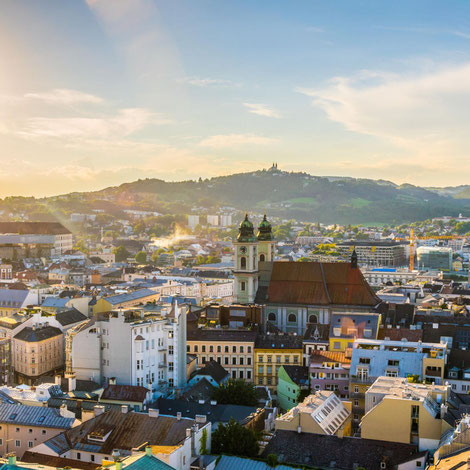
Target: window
{"type": "Point", "coordinates": [292, 318]}
{"type": "Point", "coordinates": [248, 361]}
{"type": "Point", "coordinates": [260, 369]}
{"type": "Point", "coordinates": [195, 348]}
{"type": "Point", "coordinates": [241, 361]}
{"type": "Point", "coordinates": [30, 444]}
{"type": "Point", "coordinates": [18, 443]}
{"type": "Point", "coordinates": [234, 361]}
{"type": "Point", "coordinates": [226, 361]}
{"type": "Point", "coordinates": [241, 374]}
{"type": "Point", "coordinates": [262, 257]}
{"type": "Point", "coordinates": [249, 350]}
{"type": "Point", "coordinates": [211, 348]}
{"type": "Point", "coordinates": [248, 374]}
{"type": "Point", "coordinates": [43, 431]}
{"type": "Point", "coordinates": [17, 429]}
{"type": "Point", "coordinates": [241, 349]}
{"type": "Point", "coordinates": [243, 286]}
{"type": "Point", "coordinates": [271, 316]}
{"type": "Point", "coordinates": [312, 319]}
{"type": "Point", "coordinates": [79, 455]}
{"type": "Point", "coordinates": [260, 358]}
{"type": "Point", "coordinates": [92, 457]}
{"type": "Point", "coordinates": [30, 430]}
{"type": "Point", "coordinates": [170, 350]}
{"type": "Point", "coordinates": [219, 349]}
{"type": "Point", "coordinates": [203, 348]}
{"type": "Point", "coordinates": [286, 360]}
{"type": "Point", "coordinates": [269, 359]}
{"type": "Point", "coordinates": [296, 360]}
{"type": "Point", "coordinates": [234, 374]}
{"type": "Point", "coordinates": [226, 349]}
{"type": "Point", "coordinates": [234, 349]}
{"type": "Point", "coordinates": [243, 263]}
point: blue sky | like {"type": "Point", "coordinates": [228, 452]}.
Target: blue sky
{"type": "Point", "coordinates": [98, 92]}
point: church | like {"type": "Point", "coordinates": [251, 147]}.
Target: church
{"type": "Point", "coordinates": [294, 295]}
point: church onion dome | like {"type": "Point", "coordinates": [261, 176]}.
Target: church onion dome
{"type": "Point", "coordinates": [265, 231]}
{"type": "Point", "coordinates": [246, 232]}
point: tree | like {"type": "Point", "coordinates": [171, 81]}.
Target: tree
{"type": "Point", "coordinates": [203, 442]}
{"type": "Point", "coordinates": [121, 254]}
{"type": "Point", "coordinates": [236, 392]}
{"type": "Point", "coordinates": [271, 460]}
{"type": "Point", "coordinates": [141, 257]}
{"type": "Point", "coordinates": [234, 439]}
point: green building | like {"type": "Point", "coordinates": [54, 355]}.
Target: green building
{"type": "Point", "coordinates": [291, 380]}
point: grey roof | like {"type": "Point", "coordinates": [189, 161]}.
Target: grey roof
{"type": "Point", "coordinates": [39, 334]}
{"type": "Point", "coordinates": [278, 341]}
{"type": "Point", "coordinates": [347, 453]}
{"type": "Point", "coordinates": [229, 462]}
{"type": "Point", "coordinates": [214, 370]}
{"type": "Point", "coordinates": [136, 295]}
{"type": "Point", "coordinates": [55, 302]}
{"type": "Point", "coordinates": [128, 431]}
{"type": "Point", "coordinates": [203, 334]}
{"type": "Point", "coordinates": [70, 316]}
{"type": "Point", "coordinates": [33, 416]}
{"type": "Point", "coordinates": [201, 390]}
{"type": "Point", "coordinates": [13, 298]}
{"type": "Point", "coordinates": [215, 413]}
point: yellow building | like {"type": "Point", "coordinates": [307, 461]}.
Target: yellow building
{"type": "Point", "coordinates": [346, 327]}
{"type": "Point", "coordinates": [273, 351]}
{"type": "Point", "coordinates": [320, 413]}
{"type": "Point", "coordinates": [131, 299]}
{"type": "Point", "coordinates": [400, 411]}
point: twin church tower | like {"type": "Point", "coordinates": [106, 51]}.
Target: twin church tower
{"type": "Point", "coordinates": [250, 249]}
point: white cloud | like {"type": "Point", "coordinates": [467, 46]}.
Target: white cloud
{"type": "Point", "coordinates": [234, 140]}
{"type": "Point", "coordinates": [424, 114]}
{"type": "Point", "coordinates": [206, 82]}
{"type": "Point", "coordinates": [64, 96]}
{"type": "Point", "coordinates": [262, 110]}
{"type": "Point", "coordinates": [119, 125]}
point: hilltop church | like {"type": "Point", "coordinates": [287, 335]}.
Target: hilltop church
{"type": "Point", "coordinates": [294, 295]}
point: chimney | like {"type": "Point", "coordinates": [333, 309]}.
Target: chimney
{"type": "Point", "coordinates": [443, 410]}
{"type": "Point", "coordinates": [119, 465]}
{"type": "Point", "coordinates": [12, 459]}
{"type": "Point", "coordinates": [148, 451]}
{"type": "Point", "coordinates": [188, 432]}
{"type": "Point", "coordinates": [98, 410]}
{"type": "Point", "coordinates": [58, 380]}
{"type": "Point", "coordinates": [153, 413]}
{"type": "Point", "coordinates": [201, 419]}
{"type": "Point", "coordinates": [178, 415]}
{"type": "Point", "coordinates": [124, 408]}
{"type": "Point", "coordinates": [72, 379]}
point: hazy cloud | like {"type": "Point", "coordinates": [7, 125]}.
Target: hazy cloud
{"type": "Point", "coordinates": [262, 110]}
{"type": "Point", "coordinates": [64, 96]}
{"type": "Point", "coordinates": [233, 140]}
{"type": "Point", "coordinates": [206, 82]}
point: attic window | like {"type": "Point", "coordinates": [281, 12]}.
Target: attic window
{"type": "Point", "coordinates": [41, 419]}
{"type": "Point", "coordinates": [13, 416]}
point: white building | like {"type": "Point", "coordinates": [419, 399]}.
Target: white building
{"type": "Point", "coordinates": [135, 349]}
{"type": "Point", "coordinates": [225, 220]}
{"type": "Point", "coordinates": [193, 220]}
{"type": "Point", "coordinates": [213, 220]}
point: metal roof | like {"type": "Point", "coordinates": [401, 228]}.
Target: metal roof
{"type": "Point", "coordinates": [33, 416]}
{"type": "Point", "coordinates": [136, 295]}
{"type": "Point", "coordinates": [227, 462]}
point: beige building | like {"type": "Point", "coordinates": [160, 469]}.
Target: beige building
{"type": "Point", "coordinates": [23, 427]}
{"type": "Point", "coordinates": [319, 413]}
{"type": "Point", "coordinates": [400, 411]}
{"type": "Point", "coordinates": [232, 349]}
{"type": "Point", "coordinates": [37, 351]}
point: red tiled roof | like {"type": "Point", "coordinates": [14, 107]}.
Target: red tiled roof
{"type": "Point", "coordinates": [334, 356]}
{"type": "Point", "coordinates": [397, 334]}
{"type": "Point", "coordinates": [319, 284]}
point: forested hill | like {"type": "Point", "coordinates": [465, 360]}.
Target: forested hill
{"type": "Point", "coordinates": [289, 195]}
{"type": "Point", "coordinates": [301, 196]}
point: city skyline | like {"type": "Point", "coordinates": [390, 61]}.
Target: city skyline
{"type": "Point", "coordinates": [96, 93]}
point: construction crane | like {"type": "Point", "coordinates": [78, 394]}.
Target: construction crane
{"type": "Point", "coordinates": [432, 237]}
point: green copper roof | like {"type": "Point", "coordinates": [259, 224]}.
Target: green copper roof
{"type": "Point", "coordinates": [265, 232]}
{"type": "Point", "coordinates": [246, 231]}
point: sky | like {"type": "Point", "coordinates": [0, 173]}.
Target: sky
{"type": "Point", "coordinates": [95, 93]}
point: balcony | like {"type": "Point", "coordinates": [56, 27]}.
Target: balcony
{"type": "Point", "coordinates": [162, 365]}
{"type": "Point", "coordinates": [360, 379]}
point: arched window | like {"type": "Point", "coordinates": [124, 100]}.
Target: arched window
{"type": "Point", "coordinates": [292, 318]}
{"type": "Point", "coordinates": [312, 319]}
{"type": "Point", "coordinates": [271, 316]}
{"type": "Point", "coordinates": [243, 262]}
{"type": "Point", "coordinates": [262, 257]}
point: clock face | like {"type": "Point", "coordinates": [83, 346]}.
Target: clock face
{"type": "Point", "coordinates": [243, 249]}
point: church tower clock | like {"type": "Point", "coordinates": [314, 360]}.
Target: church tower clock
{"type": "Point", "coordinates": [246, 263]}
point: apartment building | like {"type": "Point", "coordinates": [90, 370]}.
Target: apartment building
{"type": "Point", "coordinates": [37, 351]}
{"type": "Point", "coordinates": [117, 434]}
{"type": "Point", "coordinates": [320, 413]}
{"type": "Point", "coordinates": [434, 257]}
{"type": "Point", "coordinates": [329, 370]}
{"type": "Point", "coordinates": [374, 253]}
{"type": "Point", "coordinates": [399, 411]}
{"type": "Point", "coordinates": [23, 427]}
{"type": "Point", "coordinates": [134, 348]}
{"type": "Point", "coordinates": [348, 326]}
{"type": "Point", "coordinates": [22, 239]}
{"type": "Point", "coordinates": [272, 352]}
{"type": "Point", "coordinates": [374, 358]}
{"type": "Point", "coordinates": [233, 349]}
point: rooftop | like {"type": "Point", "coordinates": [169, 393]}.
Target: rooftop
{"type": "Point", "coordinates": [33, 416]}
